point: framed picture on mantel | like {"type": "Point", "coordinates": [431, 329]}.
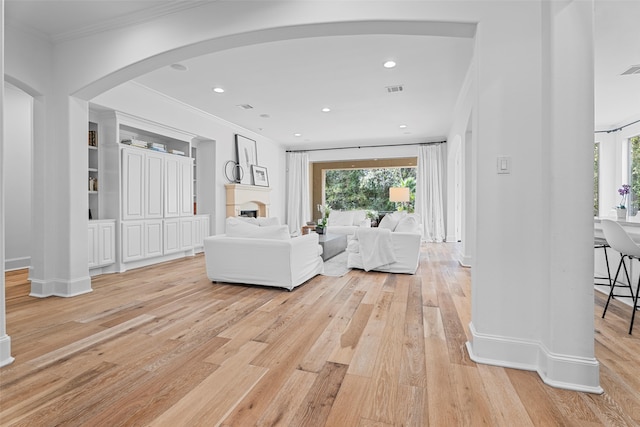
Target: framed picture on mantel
{"type": "Point", "coordinates": [260, 176]}
{"type": "Point", "coordinates": [247, 155]}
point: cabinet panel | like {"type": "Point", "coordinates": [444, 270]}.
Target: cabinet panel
{"type": "Point", "coordinates": [93, 245]}
{"type": "Point", "coordinates": [132, 240]}
{"type": "Point", "coordinates": [186, 183]}
{"type": "Point", "coordinates": [154, 165]}
{"type": "Point", "coordinates": [186, 233]}
{"type": "Point", "coordinates": [172, 187]}
{"type": "Point", "coordinates": [171, 236]}
{"type": "Point", "coordinates": [153, 238]}
{"type": "Point", "coordinates": [132, 184]}
{"type": "Point", "coordinates": [107, 243]}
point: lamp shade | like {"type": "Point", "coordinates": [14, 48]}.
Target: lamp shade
{"type": "Point", "coordinates": [399, 194]}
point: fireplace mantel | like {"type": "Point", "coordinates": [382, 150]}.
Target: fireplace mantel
{"type": "Point", "coordinates": [247, 197]}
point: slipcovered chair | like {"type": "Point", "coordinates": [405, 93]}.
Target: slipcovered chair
{"type": "Point", "coordinates": [262, 255]}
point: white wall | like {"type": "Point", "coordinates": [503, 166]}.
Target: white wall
{"type": "Point", "coordinates": [17, 168]}
{"type": "Point", "coordinates": [139, 101]}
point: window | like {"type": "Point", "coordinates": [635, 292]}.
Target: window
{"type": "Point", "coordinates": [634, 175]}
{"type": "Point", "coordinates": [347, 189]}
{"type": "Point", "coordinates": [596, 179]}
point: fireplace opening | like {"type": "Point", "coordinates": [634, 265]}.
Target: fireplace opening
{"type": "Point", "coordinates": [250, 214]}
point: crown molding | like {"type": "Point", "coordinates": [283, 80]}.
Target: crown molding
{"type": "Point", "coordinates": [131, 19]}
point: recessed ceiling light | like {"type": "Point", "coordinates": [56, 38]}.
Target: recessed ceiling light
{"type": "Point", "coordinates": [326, 109]}
{"type": "Point", "coordinates": [389, 64]}
{"type": "Point", "coordinates": [403, 126]}
{"type": "Point", "coordinates": [297, 134]}
{"type": "Point", "coordinates": [218, 90]}
{"type": "Point", "coordinates": [179, 67]}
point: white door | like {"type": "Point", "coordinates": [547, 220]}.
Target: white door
{"type": "Point", "coordinates": [171, 236]}
{"type": "Point", "coordinates": [153, 238]}
{"type": "Point", "coordinates": [132, 184]}
{"type": "Point", "coordinates": [132, 240]}
{"type": "Point", "coordinates": [153, 185]}
{"type": "Point", "coordinates": [172, 186]}
{"type": "Point", "coordinates": [197, 231]}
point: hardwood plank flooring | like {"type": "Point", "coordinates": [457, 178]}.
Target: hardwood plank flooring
{"type": "Point", "coordinates": [163, 346]}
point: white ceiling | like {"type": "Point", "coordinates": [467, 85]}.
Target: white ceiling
{"type": "Point", "coordinates": [291, 81]}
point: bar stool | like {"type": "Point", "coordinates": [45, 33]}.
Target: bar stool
{"type": "Point", "coordinates": [620, 241]}
{"type": "Point", "coordinates": [601, 243]}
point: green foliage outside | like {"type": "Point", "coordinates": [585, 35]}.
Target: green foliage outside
{"type": "Point", "coordinates": [634, 197]}
{"type": "Point", "coordinates": [596, 178]}
{"type": "Point", "coordinates": [347, 189]}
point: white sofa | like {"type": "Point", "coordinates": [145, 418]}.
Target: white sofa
{"type": "Point", "coordinates": [262, 256]}
{"type": "Point", "coordinates": [347, 222]}
{"type": "Point", "coordinates": [405, 234]}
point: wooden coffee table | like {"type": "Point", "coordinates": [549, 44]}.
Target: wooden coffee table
{"type": "Point", "coordinates": [332, 244]}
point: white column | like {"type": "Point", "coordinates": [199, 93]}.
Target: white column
{"type": "Point", "coordinates": [5, 340]}
{"type": "Point", "coordinates": [532, 287]}
{"type": "Point", "coordinates": [60, 204]}
{"type": "Point", "coordinates": [469, 200]}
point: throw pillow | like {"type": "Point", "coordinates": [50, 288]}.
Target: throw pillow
{"type": "Point", "coordinates": [341, 218]}
{"type": "Point", "coordinates": [247, 219]}
{"type": "Point", "coordinates": [358, 217]}
{"type": "Point", "coordinates": [389, 222]}
{"type": "Point", "coordinates": [408, 224]}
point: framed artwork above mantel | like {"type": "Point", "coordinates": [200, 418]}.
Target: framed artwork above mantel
{"type": "Point", "coordinates": [247, 156]}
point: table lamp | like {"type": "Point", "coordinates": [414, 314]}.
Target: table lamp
{"type": "Point", "coordinates": [399, 194]}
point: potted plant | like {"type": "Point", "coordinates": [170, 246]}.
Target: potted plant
{"type": "Point", "coordinates": [373, 216]}
{"type": "Point", "coordinates": [621, 209]}
{"type": "Point", "coordinates": [324, 218]}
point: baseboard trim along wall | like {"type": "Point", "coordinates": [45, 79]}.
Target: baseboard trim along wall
{"type": "Point", "coordinates": [561, 371]}
{"type": "Point", "coordinates": [5, 351]}
{"type": "Point", "coordinates": [17, 263]}
{"type": "Point", "coordinates": [60, 288]}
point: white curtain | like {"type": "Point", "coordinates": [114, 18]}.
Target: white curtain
{"type": "Point", "coordinates": [429, 192]}
{"type": "Point", "coordinates": [297, 191]}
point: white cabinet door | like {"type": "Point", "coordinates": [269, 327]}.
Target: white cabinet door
{"type": "Point", "coordinates": [171, 236]}
{"type": "Point", "coordinates": [172, 186]}
{"type": "Point", "coordinates": [186, 185]}
{"type": "Point", "coordinates": [132, 240]}
{"type": "Point", "coordinates": [205, 226]}
{"type": "Point", "coordinates": [153, 238]}
{"type": "Point", "coordinates": [107, 243]}
{"type": "Point", "coordinates": [132, 184]}
{"type": "Point", "coordinates": [197, 232]}
{"type": "Point", "coordinates": [186, 233]}
{"type": "Point", "coordinates": [93, 245]}
{"type": "Point", "coordinates": [153, 185]}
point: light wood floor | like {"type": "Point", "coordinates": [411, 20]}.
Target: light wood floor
{"type": "Point", "coordinates": [163, 346]}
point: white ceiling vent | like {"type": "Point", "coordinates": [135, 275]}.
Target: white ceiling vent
{"type": "Point", "coordinates": [394, 89]}
{"type": "Point", "coordinates": [245, 106]}
{"type": "Point", "coordinates": [634, 69]}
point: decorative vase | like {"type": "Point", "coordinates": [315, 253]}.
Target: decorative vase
{"type": "Point", "coordinates": [319, 230]}
{"type": "Point", "coordinates": [621, 213]}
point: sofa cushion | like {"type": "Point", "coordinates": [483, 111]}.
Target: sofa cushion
{"type": "Point", "coordinates": [341, 218]}
{"type": "Point", "coordinates": [266, 222]}
{"type": "Point", "coordinates": [408, 224]}
{"type": "Point", "coordinates": [239, 228]}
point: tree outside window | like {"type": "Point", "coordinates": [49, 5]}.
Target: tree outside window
{"type": "Point", "coordinates": [634, 175]}
{"type": "Point", "coordinates": [348, 189]}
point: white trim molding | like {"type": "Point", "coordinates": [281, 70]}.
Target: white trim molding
{"type": "Point", "coordinates": [557, 370]}
{"type": "Point", "coordinates": [5, 351]}
{"type": "Point", "coordinates": [17, 263]}
{"type": "Point", "coordinates": [60, 288]}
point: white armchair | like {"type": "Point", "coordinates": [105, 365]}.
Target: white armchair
{"type": "Point", "coordinates": [284, 263]}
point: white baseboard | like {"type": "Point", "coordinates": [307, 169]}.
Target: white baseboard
{"type": "Point", "coordinates": [17, 263]}
{"type": "Point", "coordinates": [5, 351]}
{"type": "Point", "coordinates": [60, 288]}
{"type": "Point", "coordinates": [561, 371]}
{"type": "Point", "coordinates": [465, 261]}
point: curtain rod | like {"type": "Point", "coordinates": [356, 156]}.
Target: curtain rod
{"type": "Point", "coordinates": [617, 129]}
{"type": "Point", "coordinates": [365, 146]}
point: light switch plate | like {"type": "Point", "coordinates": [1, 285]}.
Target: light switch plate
{"type": "Point", "coordinates": [504, 165]}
